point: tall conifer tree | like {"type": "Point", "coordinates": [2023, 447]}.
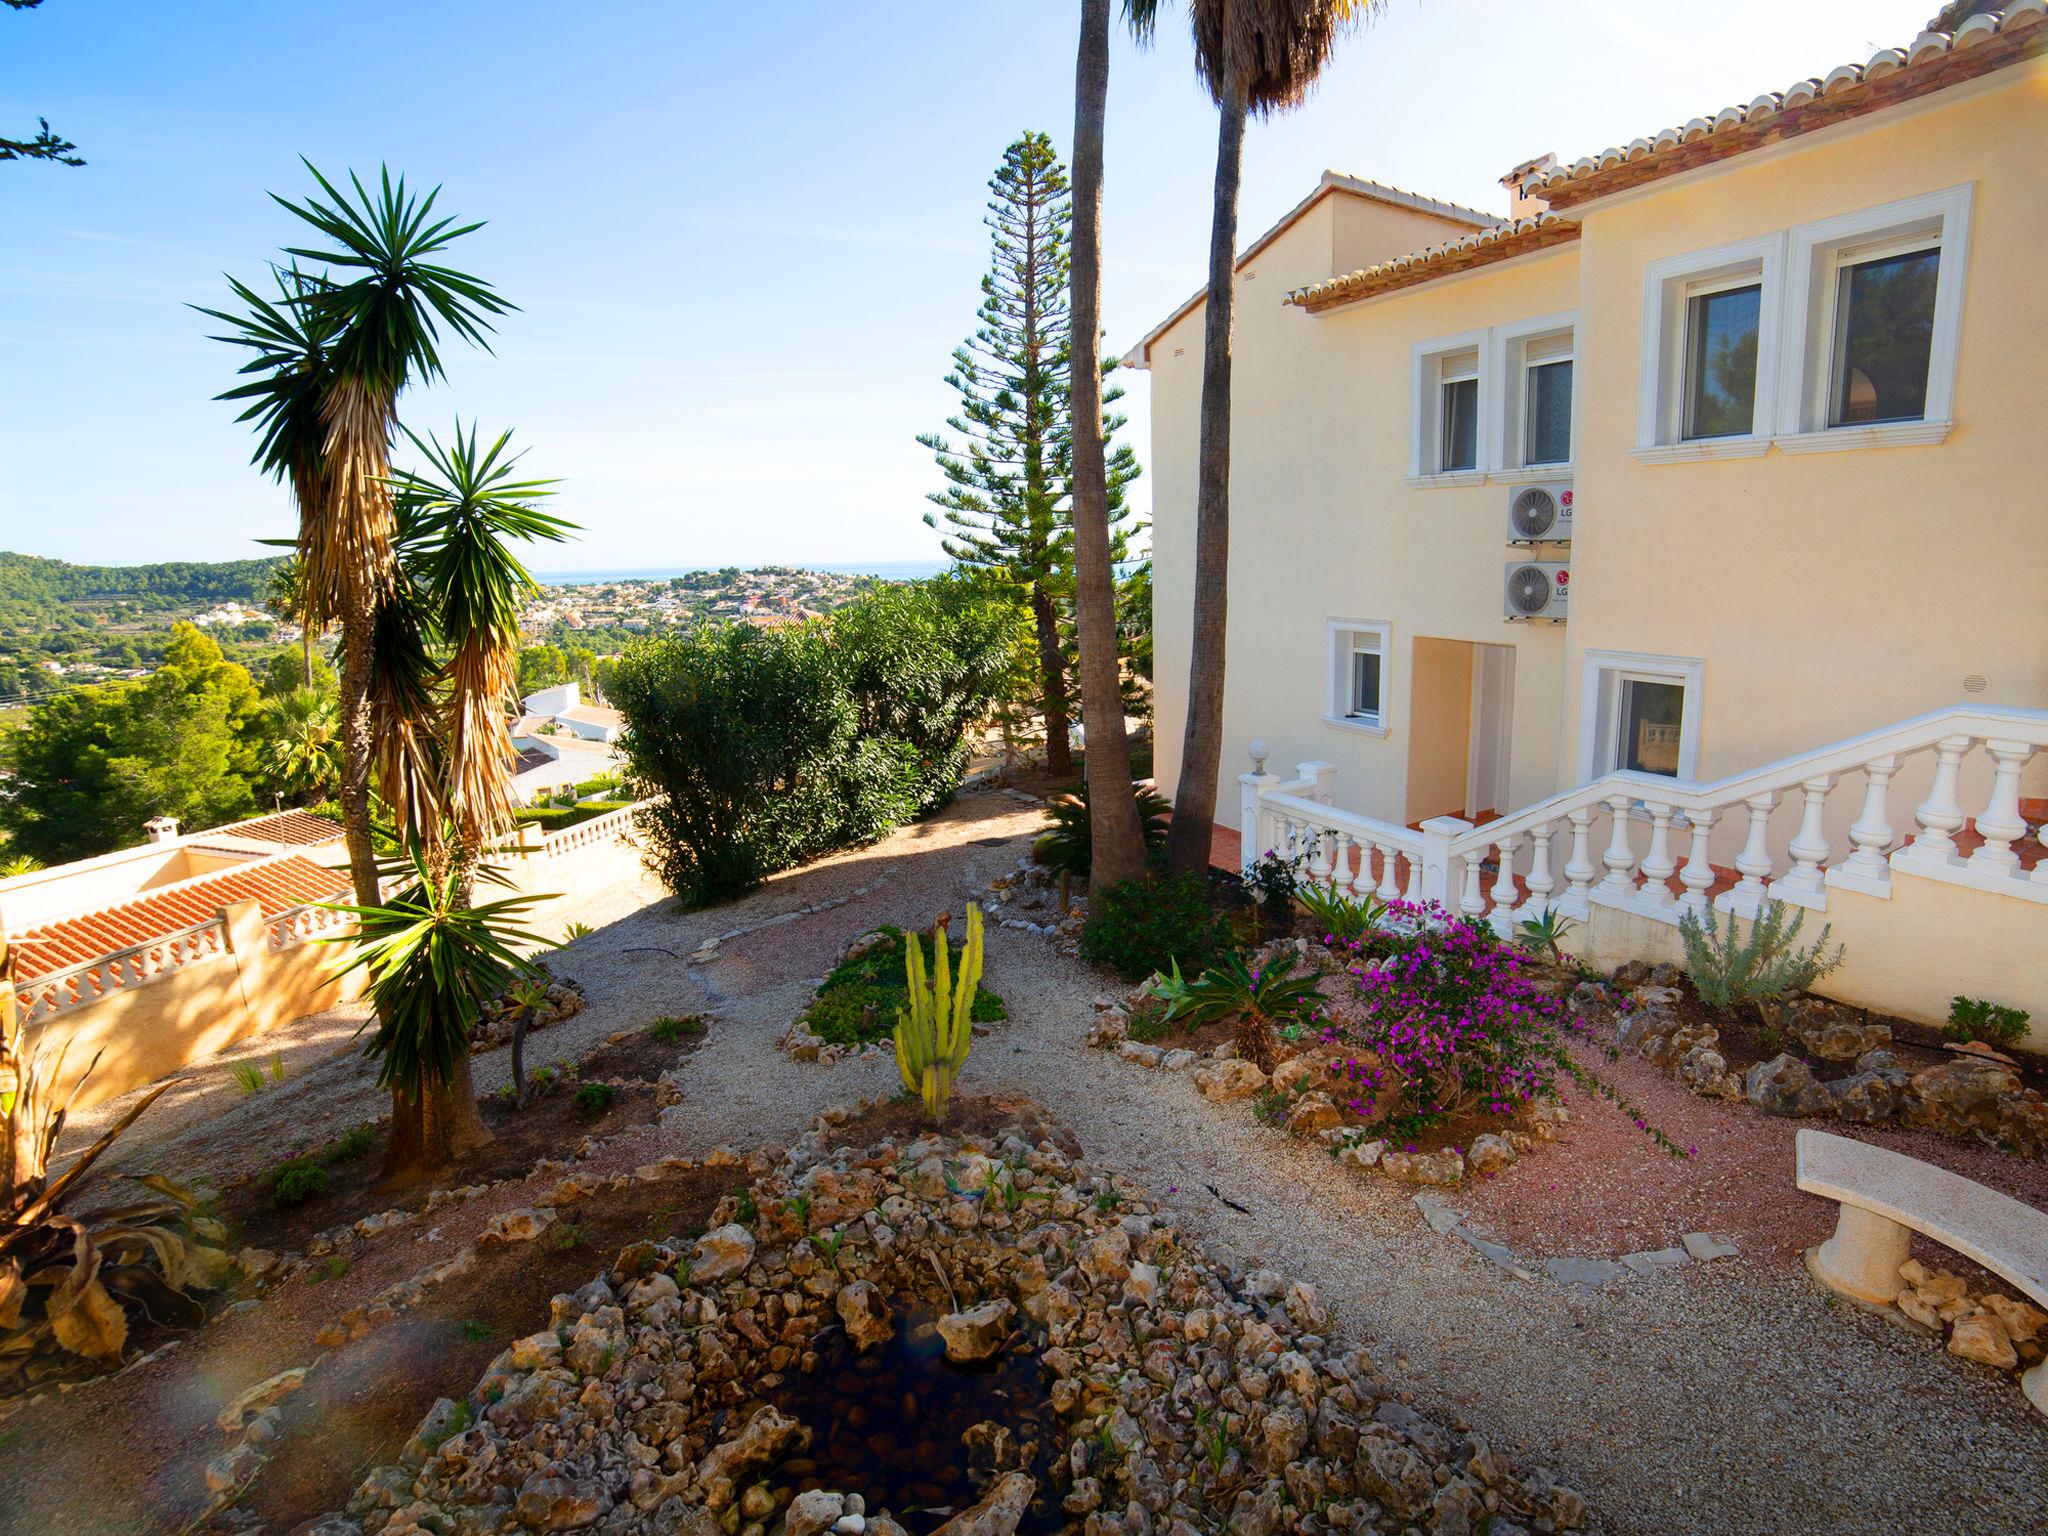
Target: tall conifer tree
{"type": "Point", "coordinates": [1009, 465]}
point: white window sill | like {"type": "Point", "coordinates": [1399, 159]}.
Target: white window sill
{"type": "Point", "coordinates": [1747, 446]}
{"type": "Point", "coordinates": [1527, 473]}
{"type": "Point", "coordinates": [1362, 727]}
{"type": "Point", "coordinates": [1449, 477]}
{"type": "Point", "coordinates": [1890, 434]}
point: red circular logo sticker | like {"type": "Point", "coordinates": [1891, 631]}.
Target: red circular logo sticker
{"type": "Point", "coordinates": [1564, 578]}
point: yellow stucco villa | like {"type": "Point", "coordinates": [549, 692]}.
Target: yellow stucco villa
{"type": "Point", "coordinates": [1681, 539]}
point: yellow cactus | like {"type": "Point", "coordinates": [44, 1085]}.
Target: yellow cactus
{"type": "Point", "coordinates": [933, 1034]}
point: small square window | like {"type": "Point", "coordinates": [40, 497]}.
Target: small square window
{"type": "Point", "coordinates": [1357, 676]}
{"type": "Point", "coordinates": [1549, 411]}
{"type": "Point", "coordinates": [1460, 447]}
{"type": "Point", "coordinates": [1722, 330]}
{"type": "Point", "coordinates": [1885, 338]}
{"type": "Point", "coordinates": [1649, 724]}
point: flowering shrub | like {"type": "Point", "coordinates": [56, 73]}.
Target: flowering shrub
{"type": "Point", "coordinates": [1448, 1021]}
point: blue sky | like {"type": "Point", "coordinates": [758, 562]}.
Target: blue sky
{"type": "Point", "coordinates": [744, 239]}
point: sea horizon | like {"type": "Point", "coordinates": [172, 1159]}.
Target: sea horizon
{"type": "Point", "coordinates": [887, 570]}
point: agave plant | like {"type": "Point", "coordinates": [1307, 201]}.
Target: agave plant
{"type": "Point", "coordinates": [1068, 846]}
{"type": "Point", "coordinates": [1260, 1000]}
{"type": "Point", "coordinates": [1544, 934]}
{"type": "Point", "coordinates": [69, 1279]}
{"type": "Point", "coordinates": [1341, 917]}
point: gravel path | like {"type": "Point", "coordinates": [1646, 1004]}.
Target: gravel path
{"type": "Point", "coordinates": [1731, 1398]}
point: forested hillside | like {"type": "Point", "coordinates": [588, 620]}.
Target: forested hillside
{"type": "Point", "coordinates": [33, 589]}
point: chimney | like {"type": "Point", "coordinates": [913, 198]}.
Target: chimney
{"type": "Point", "coordinates": [162, 829]}
{"type": "Point", "coordinates": [1521, 203]}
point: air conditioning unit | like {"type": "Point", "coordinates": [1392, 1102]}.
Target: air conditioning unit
{"type": "Point", "coordinates": [1540, 514]}
{"type": "Point", "coordinates": [1536, 589]}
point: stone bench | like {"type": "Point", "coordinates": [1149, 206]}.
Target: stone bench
{"type": "Point", "coordinates": [1886, 1197]}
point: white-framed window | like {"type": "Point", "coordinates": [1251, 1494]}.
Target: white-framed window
{"type": "Point", "coordinates": [1874, 322]}
{"type": "Point", "coordinates": [1536, 364]}
{"type": "Point", "coordinates": [1356, 690]}
{"type": "Point", "coordinates": [1710, 347]}
{"type": "Point", "coordinates": [1452, 408]}
{"type": "Point", "coordinates": [1640, 712]}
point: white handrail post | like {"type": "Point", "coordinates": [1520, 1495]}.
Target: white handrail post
{"type": "Point", "coordinates": [1870, 836]}
{"type": "Point", "coordinates": [1940, 815]}
{"type": "Point", "coordinates": [1541, 881]}
{"type": "Point", "coordinates": [1658, 863]}
{"type": "Point", "coordinates": [2000, 822]}
{"type": "Point", "coordinates": [1580, 869]}
{"type": "Point", "coordinates": [1754, 862]}
{"type": "Point", "coordinates": [1390, 874]}
{"type": "Point", "coordinates": [1250, 786]}
{"type": "Point", "coordinates": [1802, 884]}
{"type": "Point", "coordinates": [1620, 857]}
{"type": "Point", "coordinates": [1698, 875]}
{"type": "Point", "coordinates": [1437, 835]}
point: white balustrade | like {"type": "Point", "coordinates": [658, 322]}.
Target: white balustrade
{"type": "Point", "coordinates": [1579, 872]}
{"type": "Point", "coordinates": [1620, 857]}
{"type": "Point", "coordinates": [1867, 867]}
{"type": "Point", "coordinates": [1754, 863]}
{"type": "Point", "coordinates": [1999, 823]}
{"type": "Point", "coordinates": [1940, 815]}
{"type": "Point", "coordinates": [1658, 864]}
{"type": "Point", "coordinates": [1541, 882]}
{"type": "Point", "coordinates": [1504, 878]}
{"type": "Point", "coordinates": [1472, 898]}
{"type": "Point", "coordinates": [61, 991]}
{"type": "Point", "coordinates": [1698, 875]}
{"type": "Point", "coordinates": [1803, 883]}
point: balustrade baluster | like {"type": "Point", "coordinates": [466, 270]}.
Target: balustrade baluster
{"type": "Point", "coordinates": [1580, 869]}
{"type": "Point", "coordinates": [1754, 862]}
{"type": "Point", "coordinates": [1540, 882]}
{"type": "Point", "coordinates": [1809, 846]}
{"type": "Point", "coordinates": [1940, 815]}
{"type": "Point", "coordinates": [1867, 867]}
{"type": "Point", "coordinates": [1413, 895]}
{"type": "Point", "coordinates": [1659, 865]}
{"type": "Point", "coordinates": [1698, 875]}
{"type": "Point", "coordinates": [1504, 878]}
{"type": "Point", "coordinates": [1472, 901]}
{"type": "Point", "coordinates": [1620, 857]}
{"type": "Point", "coordinates": [1999, 823]}
{"type": "Point", "coordinates": [1390, 874]}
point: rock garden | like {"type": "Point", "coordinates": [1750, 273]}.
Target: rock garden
{"type": "Point", "coordinates": [978, 1335]}
{"type": "Point", "coordinates": [855, 1008]}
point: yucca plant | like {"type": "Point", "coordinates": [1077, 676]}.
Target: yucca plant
{"type": "Point", "coordinates": [1260, 1000]}
{"type": "Point", "coordinates": [68, 1280]}
{"type": "Point", "coordinates": [1343, 918]}
{"type": "Point", "coordinates": [434, 960]}
{"type": "Point", "coordinates": [934, 1033]}
{"type": "Point", "coordinates": [1762, 970]}
{"type": "Point", "coordinates": [1068, 846]}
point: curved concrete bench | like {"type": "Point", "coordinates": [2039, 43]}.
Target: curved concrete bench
{"type": "Point", "coordinates": [1886, 1197]}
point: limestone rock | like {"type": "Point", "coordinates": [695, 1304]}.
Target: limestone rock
{"type": "Point", "coordinates": [1313, 1113]}
{"type": "Point", "coordinates": [520, 1226]}
{"type": "Point", "coordinates": [865, 1315]}
{"type": "Point", "coordinates": [1000, 1510]}
{"type": "Point", "coordinates": [254, 1400]}
{"type": "Point", "coordinates": [767, 1437]}
{"type": "Point", "coordinates": [1704, 1071]}
{"type": "Point", "coordinates": [1868, 1098]}
{"type": "Point", "coordinates": [2023, 1123]}
{"type": "Point", "coordinates": [812, 1512]}
{"type": "Point", "coordinates": [2023, 1323]}
{"type": "Point", "coordinates": [550, 1502]}
{"type": "Point", "coordinates": [1959, 1096]}
{"type": "Point", "coordinates": [1232, 1078]}
{"type": "Point", "coordinates": [1489, 1153]}
{"type": "Point", "coordinates": [1784, 1085]}
{"type": "Point", "coordinates": [721, 1253]}
{"type": "Point", "coordinates": [1832, 1032]}
{"type": "Point", "coordinates": [1439, 1168]}
{"type": "Point", "coordinates": [977, 1332]}
{"type": "Point", "coordinates": [1982, 1337]}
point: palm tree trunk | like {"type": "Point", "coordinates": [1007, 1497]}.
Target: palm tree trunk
{"type": "Point", "coordinates": [431, 1131]}
{"type": "Point", "coordinates": [1117, 842]}
{"type": "Point", "coordinates": [1194, 803]}
{"type": "Point", "coordinates": [1052, 683]}
{"type": "Point", "coordinates": [358, 618]}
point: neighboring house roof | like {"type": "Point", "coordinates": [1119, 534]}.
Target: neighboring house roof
{"type": "Point", "coordinates": [530, 758]}
{"type": "Point", "coordinates": [569, 741]}
{"type": "Point", "coordinates": [277, 883]}
{"type": "Point", "coordinates": [291, 829]}
{"type": "Point", "coordinates": [1333, 182]}
{"type": "Point", "coordinates": [1481, 248]}
{"type": "Point", "coordinates": [1984, 38]}
{"type": "Point", "coordinates": [593, 714]}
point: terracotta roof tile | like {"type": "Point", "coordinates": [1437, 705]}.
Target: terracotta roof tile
{"type": "Point", "coordinates": [1477, 249]}
{"type": "Point", "coordinates": [278, 883]}
{"type": "Point", "coordinates": [1985, 38]}
{"type": "Point", "coordinates": [292, 829]}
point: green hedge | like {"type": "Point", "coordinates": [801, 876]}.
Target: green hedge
{"type": "Point", "coordinates": [769, 747]}
{"type": "Point", "coordinates": [553, 818]}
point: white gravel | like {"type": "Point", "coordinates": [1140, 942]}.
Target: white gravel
{"type": "Point", "coordinates": [1727, 1398]}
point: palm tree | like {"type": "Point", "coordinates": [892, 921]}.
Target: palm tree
{"type": "Point", "coordinates": [1117, 839]}
{"type": "Point", "coordinates": [1255, 57]}
{"type": "Point", "coordinates": [287, 600]}
{"type": "Point", "coordinates": [304, 744]}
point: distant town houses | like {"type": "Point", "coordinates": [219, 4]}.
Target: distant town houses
{"type": "Point", "coordinates": [771, 596]}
